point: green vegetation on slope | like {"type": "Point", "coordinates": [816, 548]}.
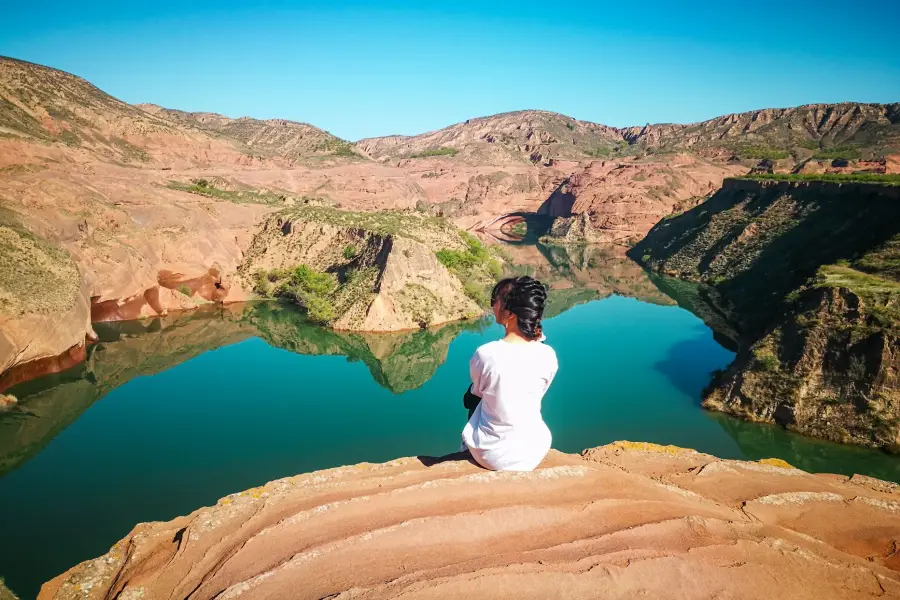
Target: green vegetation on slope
{"type": "Point", "coordinates": [607, 151]}
{"type": "Point", "coordinates": [478, 267]}
{"type": "Point", "coordinates": [323, 295]}
{"type": "Point", "coordinates": [810, 273]}
{"type": "Point", "coordinates": [36, 276]}
{"type": "Point", "coordinates": [873, 278]}
{"type": "Point", "coordinates": [442, 151]}
{"type": "Point", "coordinates": [338, 147]}
{"type": "Point", "coordinates": [832, 177]}
{"type": "Point", "coordinates": [407, 224]}
{"type": "Point", "coordinates": [203, 187]}
{"type": "Point", "coordinates": [761, 152]}
{"type": "Point", "coordinates": [836, 152]}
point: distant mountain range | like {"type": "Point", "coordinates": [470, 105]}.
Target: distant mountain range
{"type": "Point", "coordinates": [116, 211]}
{"type": "Point", "coordinates": [49, 105]}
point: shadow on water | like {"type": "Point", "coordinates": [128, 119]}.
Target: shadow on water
{"type": "Point", "coordinates": [688, 366]}
{"type": "Point", "coordinates": [702, 302]}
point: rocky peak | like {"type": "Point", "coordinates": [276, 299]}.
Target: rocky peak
{"type": "Point", "coordinates": [869, 127]}
{"type": "Point", "coordinates": [283, 138]}
{"type": "Point", "coordinates": [521, 136]}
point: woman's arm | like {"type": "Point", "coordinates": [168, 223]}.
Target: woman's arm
{"type": "Point", "coordinates": [476, 373]}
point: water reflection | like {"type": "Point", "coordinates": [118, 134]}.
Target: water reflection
{"type": "Point", "coordinates": [397, 361]}
{"type": "Point", "coordinates": [759, 440]}
{"type": "Point", "coordinates": [579, 274]}
{"type": "Point", "coordinates": [208, 403]}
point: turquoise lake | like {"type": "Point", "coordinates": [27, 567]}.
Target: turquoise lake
{"type": "Point", "coordinates": [170, 414]}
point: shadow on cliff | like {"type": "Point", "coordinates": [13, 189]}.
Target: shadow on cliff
{"type": "Point", "coordinates": [430, 461]}
{"type": "Point", "coordinates": [792, 229]}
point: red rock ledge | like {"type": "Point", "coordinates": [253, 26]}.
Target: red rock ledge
{"type": "Point", "coordinates": [627, 520]}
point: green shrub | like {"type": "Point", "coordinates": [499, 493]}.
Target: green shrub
{"type": "Point", "coordinates": [893, 179]}
{"type": "Point", "coordinates": [312, 282]}
{"type": "Point", "coordinates": [762, 152]}
{"type": "Point", "coordinates": [185, 290]}
{"type": "Point", "coordinates": [793, 296]}
{"type": "Point", "coordinates": [476, 266]}
{"type": "Point", "coordinates": [202, 187]}
{"type": "Point", "coordinates": [337, 147]}
{"type": "Point", "coordinates": [345, 150]}
{"type": "Point", "coordinates": [319, 310]}
{"type": "Point", "coordinates": [349, 252]}
{"type": "Point", "coordinates": [477, 292]}
{"type": "Point", "coordinates": [599, 152]}
{"type": "Point", "coordinates": [835, 152]}
{"type": "Point", "coordinates": [442, 151]}
{"type": "Point", "coordinates": [764, 360]}
{"type": "Point", "coordinates": [570, 127]}
{"type": "Point", "coordinates": [311, 289]}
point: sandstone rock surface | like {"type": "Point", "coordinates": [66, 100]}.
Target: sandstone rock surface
{"type": "Point", "coordinates": [626, 520]}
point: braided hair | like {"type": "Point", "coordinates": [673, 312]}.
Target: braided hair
{"type": "Point", "coordinates": [525, 298]}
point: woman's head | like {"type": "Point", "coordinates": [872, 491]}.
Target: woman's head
{"type": "Point", "coordinates": [520, 300]}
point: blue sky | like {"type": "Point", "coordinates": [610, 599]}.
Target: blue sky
{"type": "Point", "coordinates": [362, 69]}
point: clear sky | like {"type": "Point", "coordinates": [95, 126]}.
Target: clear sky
{"type": "Point", "coordinates": [362, 69]}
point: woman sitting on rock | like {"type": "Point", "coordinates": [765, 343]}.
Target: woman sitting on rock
{"type": "Point", "coordinates": [505, 431]}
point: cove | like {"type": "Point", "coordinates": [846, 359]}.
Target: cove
{"type": "Point", "coordinates": [170, 414]}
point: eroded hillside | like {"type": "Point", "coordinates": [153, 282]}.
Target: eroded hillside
{"type": "Point", "coordinates": [158, 208]}
{"type": "Point", "coordinates": [290, 140]}
{"type": "Point", "coordinates": [809, 272]}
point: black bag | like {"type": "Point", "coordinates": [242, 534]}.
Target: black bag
{"type": "Point", "coordinates": [470, 401]}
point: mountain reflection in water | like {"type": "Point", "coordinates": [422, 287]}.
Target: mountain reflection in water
{"type": "Point", "coordinates": [129, 349]}
{"type": "Point", "coordinates": [397, 361]}
{"type": "Point", "coordinates": [169, 414]}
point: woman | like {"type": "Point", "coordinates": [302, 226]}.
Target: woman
{"type": "Point", "coordinates": [511, 375]}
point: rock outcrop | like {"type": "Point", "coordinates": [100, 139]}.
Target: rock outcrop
{"type": "Point", "coordinates": [534, 136]}
{"type": "Point", "coordinates": [44, 302]}
{"type": "Point", "coordinates": [630, 519]}
{"type": "Point", "coordinates": [391, 278]}
{"type": "Point", "coordinates": [827, 370]}
{"type": "Point", "coordinates": [808, 273]}
{"type": "Point", "coordinates": [622, 200]}
{"type": "Point", "coordinates": [798, 132]}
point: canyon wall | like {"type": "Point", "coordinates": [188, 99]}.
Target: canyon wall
{"type": "Point", "coordinates": [808, 272]}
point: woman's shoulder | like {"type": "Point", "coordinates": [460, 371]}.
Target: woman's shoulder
{"type": "Point", "coordinates": [546, 349]}
{"type": "Point", "coordinates": [489, 349]}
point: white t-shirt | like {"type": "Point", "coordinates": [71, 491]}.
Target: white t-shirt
{"type": "Point", "coordinates": [506, 432]}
